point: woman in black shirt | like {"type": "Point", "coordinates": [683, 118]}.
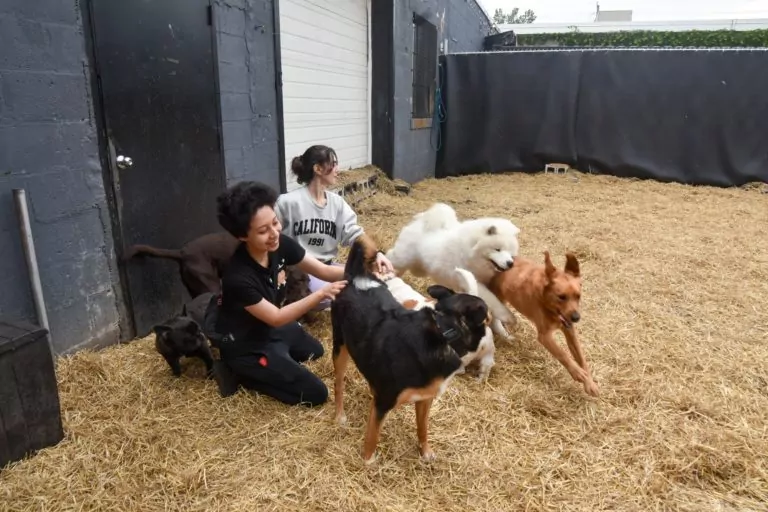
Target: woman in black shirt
{"type": "Point", "coordinates": [264, 344]}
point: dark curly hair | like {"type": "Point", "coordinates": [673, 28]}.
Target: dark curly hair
{"type": "Point", "coordinates": [238, 204]}
{"type": "Point", "coordinates": [303, 167]}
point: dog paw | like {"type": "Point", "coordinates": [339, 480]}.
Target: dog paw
{"type": "Point", "coordinates": [497, 327]}
{"type": "Point", "coordinates": [483, 375]}
{"type": "Point", "coordinates": [341, 420]}
{"type": "Point", "coordinates": [370, 460]}
{"type": "Point", "coordinates": [501, 332]}
{"type": "Point", "coordinates": [428, 456]}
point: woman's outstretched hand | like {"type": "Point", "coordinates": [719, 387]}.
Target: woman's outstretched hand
{"type": "Point", "coordinates": [331, 290]}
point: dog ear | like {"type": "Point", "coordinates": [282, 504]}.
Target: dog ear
{"type": "Point", "coordinates": [476, 311]}
{"type": "Point", "coordinates": [548, 266]}
{"type": "Point", "coordinates": [161, 330]}
{"type": "Point", "coordinates": [193, 327]}
{"type": "Point", "coordinates": [439, 292]}
{"type": "Point", "coordinates": [370, 247]}
{"type": "Point", "coordinates": [491, 231]}
{"type": "Point", "coordinates": [572, 264]}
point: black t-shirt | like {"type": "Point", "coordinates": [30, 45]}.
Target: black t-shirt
{"type": "Point", "coordinates": [246, 283]}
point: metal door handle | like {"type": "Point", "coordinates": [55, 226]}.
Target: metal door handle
{"type": "Point", "coordinates": [124, 162]}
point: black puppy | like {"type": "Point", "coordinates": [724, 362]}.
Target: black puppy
{"type": "Point", "coordinates": [404, 355]}
{"type": "Point", "coordinates": [182, 336]}
{"type": "Point", "coordinates": [296, 285]}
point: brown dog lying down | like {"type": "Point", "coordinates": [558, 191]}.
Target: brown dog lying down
{"type": "Point", "coordinates": [550, 299]}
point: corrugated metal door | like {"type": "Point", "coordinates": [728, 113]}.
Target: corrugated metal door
{"type": "Point", "coordinates": [324, 53]}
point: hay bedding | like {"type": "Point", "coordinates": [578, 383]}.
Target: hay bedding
{"type": "Point", "coordinates": [674, 324]}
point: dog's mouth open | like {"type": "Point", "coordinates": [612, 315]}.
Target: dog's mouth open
{"type": "Point", "coordinates": [498, 267]}
{"type": "Point", "coordinates": [566, 323]}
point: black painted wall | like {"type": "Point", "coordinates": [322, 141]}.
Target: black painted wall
{"type": "Point", "coordinates": [245, 46]}
{"type": "Point", "coordinates": [462, 26]}
{"type": "Point", "coordinates": [48, 146]}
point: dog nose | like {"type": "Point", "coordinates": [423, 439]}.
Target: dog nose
{"type": "Point", "coordinates": [510, 263]}
{"type": "Point", "coordinates": [575, 317]}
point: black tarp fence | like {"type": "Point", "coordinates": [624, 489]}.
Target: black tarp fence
{"type": "Point", "coordinates": [682, 115]}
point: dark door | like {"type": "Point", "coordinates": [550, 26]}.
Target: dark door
{"type": "Point", "coordinates": [155, 66]}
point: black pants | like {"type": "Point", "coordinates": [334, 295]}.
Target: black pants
{"type": "Point", "coordinates": [274, 370]}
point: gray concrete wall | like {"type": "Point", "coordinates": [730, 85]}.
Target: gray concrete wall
{"type": "Point", "coordinates": [48, 146]}
{"type": "Point", "coordinates": [245, 47]}
{"type": "Point", "coordinates": [462, 27]}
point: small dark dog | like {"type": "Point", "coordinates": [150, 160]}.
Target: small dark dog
{"type": "Point", "coordinates": [182, 336]}
{"type": "Point", "coordinates": [201, 262]}
{"type": "Point", "coordinates": [296, 288]}
{"type": "Point", "coordinates": [405, 356]}
{"type": "Point", "coordinates": [296, 284]}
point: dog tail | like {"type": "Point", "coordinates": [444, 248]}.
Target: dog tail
{"type": "Point", "coordinates": [134, 250]}
{"type": "Point", "coordinates": [468, 282]}
{"type": "Point", "coordinates": [361, 257]}
{"type": "Point", "coordinates": [438, 217]}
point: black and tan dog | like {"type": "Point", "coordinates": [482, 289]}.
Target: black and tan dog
{"type": "Point", "coordinates": [404, 355]}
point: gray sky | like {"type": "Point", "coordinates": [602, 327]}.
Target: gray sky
{"type": "Point", "coordinates": [643, 10]}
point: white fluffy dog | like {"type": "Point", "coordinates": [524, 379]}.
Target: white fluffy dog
{"type": "Point", "coordinates": [436, 243]}
{"type": "Point", "coordinates": [411, 299]}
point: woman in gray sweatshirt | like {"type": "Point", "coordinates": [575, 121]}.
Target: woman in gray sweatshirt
{"type": "Point", "coordinates": [320, 220]}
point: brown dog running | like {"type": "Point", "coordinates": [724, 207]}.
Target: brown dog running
{"type": "Point", "coordinates": [550, 299]}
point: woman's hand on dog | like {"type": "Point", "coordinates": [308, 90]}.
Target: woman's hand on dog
{"type": "Point", "coordinates": [383, 263]}
{"type": "Point", "coordinates": [331, 290]}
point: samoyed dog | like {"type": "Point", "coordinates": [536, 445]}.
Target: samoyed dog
{"type": "Point", "coordinates": [435, 243]}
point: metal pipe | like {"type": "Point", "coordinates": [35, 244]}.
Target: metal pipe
{"type": "Point", "coordinates": [20, 198]}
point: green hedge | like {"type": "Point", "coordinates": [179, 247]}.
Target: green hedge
{"type": "Point", "coordinates": [632, 38]}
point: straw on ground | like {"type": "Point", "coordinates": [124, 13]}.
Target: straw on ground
{"type": "Point", "coordinates": [674, 324]}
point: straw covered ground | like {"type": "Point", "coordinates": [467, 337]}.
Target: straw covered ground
{"type": "Point", "coordinates": [674, 324]}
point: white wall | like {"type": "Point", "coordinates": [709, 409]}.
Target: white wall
{"type": "Point", "coordinates": [325, 71]}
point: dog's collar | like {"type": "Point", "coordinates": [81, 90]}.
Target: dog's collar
{"type": "Point", "coordinates": [449, 332]}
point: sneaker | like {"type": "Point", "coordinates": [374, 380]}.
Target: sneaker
{"type": "Point", "coordinates": [225, 378]}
